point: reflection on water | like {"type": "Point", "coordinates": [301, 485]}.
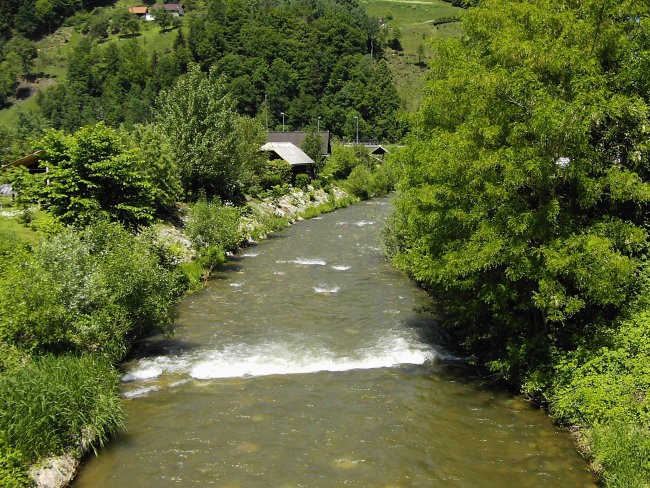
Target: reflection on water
{"type": "Point", "coordinates": [306, 363]}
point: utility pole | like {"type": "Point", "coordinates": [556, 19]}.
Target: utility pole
{"type": "Point", "coordinates": [318, 125]}
{"type": "Point", "coordinates": [282, 121]}
{"type": "Point", "coordinates": [356, 118]}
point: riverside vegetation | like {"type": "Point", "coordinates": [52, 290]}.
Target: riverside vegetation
{"type": "Point", "coordinates": [99, 269]}
{"type": "Point", "coordinates": [522, 205]}
{"type": "Point", "coordinates": [523, 210]}
{"type": "Point", "coordinates": [74, 302]}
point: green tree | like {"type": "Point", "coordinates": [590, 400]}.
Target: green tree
{"type": "Point", "coordinates": [199, 117]}
{"type": "Point", "coordinates": [95, 173]}
{"type": "Point", "coordinates": [525, 198]}
{"type": "Point", "coordinates": [313, 147]}
{"type": "Point", "coordinates": [25, 49]}
{"type": "Point", "coordinates": [160, 166]}
{"type": "Point", "coordinates": [163, 18]}
{"type": "Point", "coordinates": [10, 69]}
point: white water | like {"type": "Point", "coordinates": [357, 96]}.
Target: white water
{"type": "Point", "coordinates": [241, 360]}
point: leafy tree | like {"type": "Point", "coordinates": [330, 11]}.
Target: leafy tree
{"type": "Point", "coordinates": [95, 173]}
{"type": "Point", "coordinates": [251, 136]}
{"type": "Point", "coordinates": [160, 166]}
{"type": "Point", "coordinates": [163, 18]}
{"type": "Point", "coordinates": [200, 120]}
{"type": "Point", "coordinates": [98, 26]}
{"type": "Point", "coordinates": [25, 49]}
{"type": "Point", "coordinates": [10, 68]}
{"type": "Point", "coordinates": [525, 198]}
{"type": "Point", "coordinates": [313, 147]}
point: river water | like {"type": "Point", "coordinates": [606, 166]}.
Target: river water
{"type": "Point", "coordinates": [309, 363]}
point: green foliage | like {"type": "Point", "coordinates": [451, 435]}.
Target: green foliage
{"type": "Point", "coordinates": [302, 181]}
{"type": "Point", "coordinates": [524, 209]}
{"type": "Point", "coordinates": [163, 18]}
{"type": "Point", "coordinates": [160, 166]}
{"type": "Point", "coordinates": [13, 472]}
{"type": "Point", "coordinates": [25, 49]}
{"type": "Point", "coordinates": [251, 136]}
{"type": "Point", "coordinates": [307, 59]}
{"type": "Point", "coordinates": [56, 402]}
{"type": "Point", "coordinates": [623, 451]}
{"type": "Point", "coordinates": [199, 118]}
{"type": "Point", "coordinates": [277, 174]}
{"type": "Point", "coordinates": [212, 226]}
{"type": "Point", "coordinates": [359, 182]}
{"type": "Point", "coordinates": [343, 160]}
{"type": "Point", "coordinates": [93, 291]}
{"type": "Point", "coordinates": [313, 147]}
{"type": "Point", "coordinates": [513, 213]}
{"type": "Point", "coordinates": [95, 174]}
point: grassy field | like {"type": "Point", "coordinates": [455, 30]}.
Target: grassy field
{"type": "Point", "coordinates": [414, 19]}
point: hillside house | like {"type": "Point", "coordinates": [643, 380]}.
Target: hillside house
{"type": "Point", "coordinates": [140, 12]}
{"type": "Point", "coordinates": [176, 9]}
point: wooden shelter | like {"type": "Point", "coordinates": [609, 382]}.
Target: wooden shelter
{"type": "Point", "coordinates": [289, 152]}
{"type": "Point", "coordinates": [297, 138]}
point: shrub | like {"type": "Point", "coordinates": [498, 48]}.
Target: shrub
{"type": "Point", "coordinates": [57, 402]}
{"type": "Point", "coordinates": [342, 161]}
{"type": "Point", "coordinates": [278, 172]}
{"type": "Point", "coordinates": [13, 472]}
{"type": "Point", "coordinates": [213, 224]}
{"type": "Point", "coordinates": [212, 258]}
{"type": "Point", "coordinates": [302, 181]}
{"type": "Point", "coordinates": [359, 183]}
{"type": "Point", "coordinates": [93, 291]}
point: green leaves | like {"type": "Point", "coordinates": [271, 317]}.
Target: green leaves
{"type": "Point", "coordinates": [95, 174]}
{"type": "Point", "coordinates": [87, 292]}
{"type": "Point", "coordinates": [525, 192]}
{"type": "Point", "coordinates": [200, 120]}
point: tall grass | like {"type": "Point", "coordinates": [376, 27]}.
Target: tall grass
{"type": "Point", "coordinates": [60, 401]}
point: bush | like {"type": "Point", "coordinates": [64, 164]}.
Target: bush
{"type": "Point", "coordinates": [13, 472]}
{"type": "Point", "coordinates": [302, 181]}
{"type": "Point", "coordinates": [343, 160]}
{"type": "Point", "coordinates": [93, 291]}
{"type": "Point", "coordinates": [212, 224]}
{"type": "Point", "coordinates": [360, 182]}
{"type": "Point", "coordinates": [212, 258]}
{"type": "Point", "coordinates": [57, 402]}
{"type": "Point", "coordinates": [278, 173]}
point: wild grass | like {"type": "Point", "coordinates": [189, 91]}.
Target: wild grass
{"type": "Point", "coordinates": [60, 401]}
{"type": "Point", "coordinates": [415, 20]}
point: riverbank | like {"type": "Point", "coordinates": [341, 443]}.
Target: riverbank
{"type": "Point", "coordinates": [263, 217]}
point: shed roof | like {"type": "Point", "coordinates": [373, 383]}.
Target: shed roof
{"type": "Point", "coordinates": [28, 160]}
{"type": "Point", "coordinates": [289, 152]}
{"type": "Point", "coordinates": [170, 7]}
{"type": "Point", "coordinates": [138, 10]}
{"type": "Point", "coordinates": [298, 137]}
{"type": "Point", "coordinates": [377, 149]}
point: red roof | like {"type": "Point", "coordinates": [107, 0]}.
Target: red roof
{"type": "Point", "coordinates": [138, 10]}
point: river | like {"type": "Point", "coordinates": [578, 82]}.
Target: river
{"type": "Point", "coordinates": [310, 362]}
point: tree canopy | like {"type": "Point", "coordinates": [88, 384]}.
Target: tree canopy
{"type": "Point", "coordinates": [96, 174]}
{"type": "Point", "coordinates": [525, 195]}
